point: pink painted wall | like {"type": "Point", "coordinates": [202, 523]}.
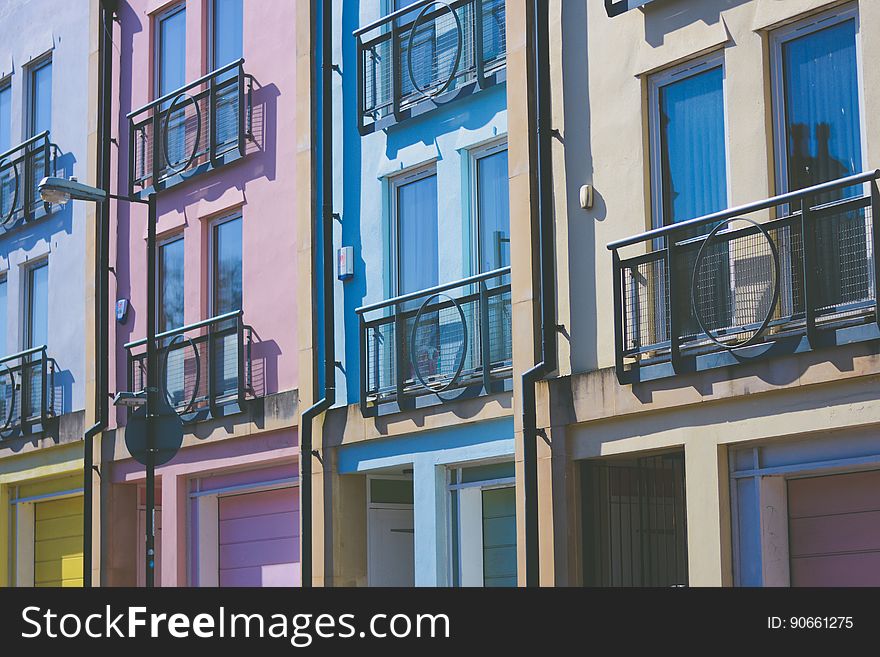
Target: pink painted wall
{"type": "Point", "coordinates": [261, 184]}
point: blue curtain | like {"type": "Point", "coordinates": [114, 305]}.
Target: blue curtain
{"type": "Point", "coordinates": [694, 164]}
{"type": "Point", "coordinates": [417, 235]}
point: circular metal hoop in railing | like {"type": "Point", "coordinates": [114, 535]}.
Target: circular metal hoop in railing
{"type": "Point", "coordinates": [10, 413]}
{"type": "Point", "coordinates": [415, 357]}
{"type": "Point", "coordinates": [735, 283]}
{"type": "Point", "coordinates": [179, 103]}
{"type": "Point", "coordinates": [5, 217]}
{"type": "Point", "coordinates": [429, 90]}
{"type": "Point", "coordinates": [180, 339]}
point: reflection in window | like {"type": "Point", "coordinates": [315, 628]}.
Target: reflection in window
{"type": "Point", "coordinates": [170, 285]}
{"type": "Point", "coordinates": [226, 297]}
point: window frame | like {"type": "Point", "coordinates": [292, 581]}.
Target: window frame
{"type": "Point", "coordinates": [475, 155]}
{"type": "Point", "coordinates": [35, 65]}
{"type": "Point", "coordinates": [28, 302]}
{"type": "Point", "coordinates": [158, 18]}
{"type": "Point", "coordinates": [412, 175]}
{"type": "Point", "coordinates": [656, 82]}
{"type": "Point", "coordinates": [212, 256]}
{"type": "Point", "coordinates": [211, 15]}
{"type": "Point", "coordinates": [160, 244]}
{"type": "Point", "coordinates": [6, 86]}
{"type": "Point", "coordinates": [777, 39]}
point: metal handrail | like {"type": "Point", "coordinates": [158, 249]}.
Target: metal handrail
{"type": "Point", "coordinates": [173, 94]}
{"type": "Point", "coordinates": [185, 329]}
{"type": "Point", "coordinates": [22, 354]}
{"type": "Point", "coordinates": [411, 296]}
{"type": "Point", "coordinates": [25, 144]}
{"type": "Point", "coordinates": [731, 213]}
{"type": "Point", "coordinates": [392, 16]}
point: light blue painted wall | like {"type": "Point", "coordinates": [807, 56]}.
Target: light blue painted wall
{"type": "Point", "coordinates": [429, 453]}
{"type": "Point", "coordinates": [363, 167]}
{"type": "Point", "coordinates": [28, 30]}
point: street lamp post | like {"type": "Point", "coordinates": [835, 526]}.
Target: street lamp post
{"type": "Point", "coordinates": [60, 191]}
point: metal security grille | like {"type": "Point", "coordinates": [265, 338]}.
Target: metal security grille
{"type": "Point", "coordinates": [21, 170]}
{"type": "Point", "coordinates": [194, 128]}
{"type": "Point", "coordinates": [27, 391]}
{"type": "Point", "coordinates": [425, 50]}
{"type": "Point", "coordinates": [797, 264]}
{"type": "Point", "coordinates": [203, 365]}
{"type": "Point", "coordinates": [450, 337]}
{"type": "Point", "coordinates": [634, 522]}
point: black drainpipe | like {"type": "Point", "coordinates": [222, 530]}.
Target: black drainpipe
{"type": "Point", "coordinates": [542, 208]}
{"type": "Point", "coordinates": [102, 270]}
{"type": "Point", "coordinates": [325, 187]}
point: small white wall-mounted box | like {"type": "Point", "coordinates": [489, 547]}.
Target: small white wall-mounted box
{"type": "Point", "coordinates": [121, 310]}
{"type": "Point", "coordinates": [345, 263]}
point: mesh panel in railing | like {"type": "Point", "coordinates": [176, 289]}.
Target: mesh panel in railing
{"type": "Point", "coordinates": [646, 303]}
{"type": "Point", "coordinates": [494, 32]}
{"type": "Point", "coordinates": [500, 339]}
{"type": "Point", "coordinates": [844, 260]}
{"type": "Point", "coordinates": [380, 358]}
{"type": "Point", "coordinates": [20, 176]}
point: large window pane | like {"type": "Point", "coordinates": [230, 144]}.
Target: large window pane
{"type": "Point", "coordinates": [417, 235]}
{"type": "Point", "coordinates": [692, 158]}
{"type": "Point", "coordinates": [227, 32]}
{"type": "Point", "coordinates": [7, 173]}
{"type": "Point", "coordinates": [38, 306]}
{"type": "Point", "coordinates": [171, 75]}
{"type": "Point", "coordinates": [226, 298]}
{"type": "Point", "coordinates": [493, 202]}
{"type": "Point", "coordinates": [170, 285]}
{"type": "Point", "coordinates": [5, 117]}
{"type": "Point", "coordinates": [41, 99]}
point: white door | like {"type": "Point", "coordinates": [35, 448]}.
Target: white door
{"type": "Point", "coordinates": [391, 553]}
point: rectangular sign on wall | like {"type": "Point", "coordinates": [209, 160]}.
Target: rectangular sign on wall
{"type": "Point", "coordinates": [617, 7]}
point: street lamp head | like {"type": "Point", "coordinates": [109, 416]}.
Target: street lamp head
{"type": "Point", "coordinates": [61, 190]}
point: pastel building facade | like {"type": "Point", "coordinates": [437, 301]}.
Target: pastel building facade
{"type": "Point", "coordinates": [714, 418]}
{"type": "Point", "coordinates": [47, 105]}
{"type": "Point", "coordinates": [415, 478]}
{"type": "Point", "coordinates": [206, 121]}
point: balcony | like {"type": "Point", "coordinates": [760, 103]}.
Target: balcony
{"type": "Point", "coordinates": [446, 343]}
{"type": "Point", "coordinates": [191, 130]}
{"type": "Point", "coordinates": [27, 392]}
{"type": "Point", "coordinates": [427, 54]}
{"type": "Point", "coordinates": [205, 367]}
{"type": "Point", "coordinates": [21, 170]}
{"type": "Point", "coordinates": [785, 275]}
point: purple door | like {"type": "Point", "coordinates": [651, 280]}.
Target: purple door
{"type": "Point", "coordinates": [834, 530]}
{"type": "Point", "coordinates": [259, 538]}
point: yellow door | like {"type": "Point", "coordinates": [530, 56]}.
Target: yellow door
{"type": "Point", "coordinates": [58, 542]}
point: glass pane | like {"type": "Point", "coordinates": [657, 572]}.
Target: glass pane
{"type": "Point", "coordinates": [693, 161]}
{"type": "Point", "coordinates": [41, 99]}
{"type": "Point", "coordinates": [488, 472]}
{"type": "Point", "coordinates": [227, 35]}
{"type": "Point", "coordinates": [417, 235]}
{"type": "Point", "coordinates": [172, 52]}
{"type": "Point", "coordinates": [38, 311]}
{"type": "Point", "coordinates": [822, 106]}
{"type": "Point", "coordinates": [5, 118]}
{"type": "Point", "coordinates": [170, 285]}
{"type": "Point", "coordinates": [494, 211]}
{"type": "Point", "coordinates": [391, 491]}
{"type": "Point", "coordinates": [499, 537]}
{"type": "Point", "coordinates": [227, 267]}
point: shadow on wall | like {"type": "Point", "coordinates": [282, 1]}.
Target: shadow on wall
{"type": "Point", "coordinates": [666, 17]}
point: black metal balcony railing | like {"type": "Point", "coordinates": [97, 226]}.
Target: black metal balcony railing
{"type": "Point", "coordinates": [424, 51]}
{"type": "Point", "coordinates": [450, 337]}
{"type": "Point", "coordinates": [205, 366]}
{"type": "Point", "coordinates": [27, 391]}
{"type": "Point", "coordinates": [21, 170]}
{"type": "Point", "coordinates": [191, 130]}
{"type": "Point", "coordinates": [785, 275]}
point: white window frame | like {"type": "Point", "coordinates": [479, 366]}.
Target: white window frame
{"type": "Point", "coordinates": [475, 155]}
{"type": "Point", "coordinates": [778, 38]}
{"type": "Point", "coordinates": [656, 83]}
{"type": "Point", "coordinates": [30, 105]}
{"type": "Point", "coordinates": [212, 245]}
{"type": "Point", "coordinates": [27, 299]}
{"type": "Point", "coordinates": [400, 180]}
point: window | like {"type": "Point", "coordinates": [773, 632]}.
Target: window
{"type": "Point", "coordinates": [483, 532]}
{"type": "Point", "coordinates": [688, 144]}
{"type": "Point", "coordinates": [170, 269]}
{"type": "Point", "coordinates": [40, 102]}
{"type": "Point", "coordinates": [226, 47]}
{"type": "Point", "coordinates": [3, 319]}
{"type": "Point", "coordinates": [37, 305]}
{"type": "Point", "coordinates": [7, 384]}
{"type": "Point", "coordinates": [492, 207]}
{"type": "Point", "coordinates": [818, 139]}
{"type": "Point", "coordinates": [5, 116]}
{"type": "Point", "coordinates": [226, 264]}
{"type": "Point", "coordinates": [417, 231]}
{"type": "Point", "coordinates": [170, 75]}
